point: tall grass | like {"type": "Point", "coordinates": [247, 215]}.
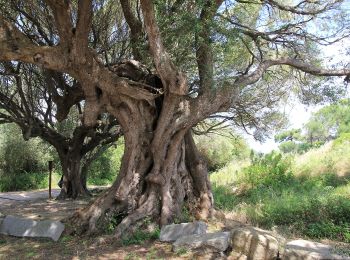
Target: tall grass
{"type": "Point", "coordinates": [332, 157]}
{"type": "Point", "coordinates": [229, 174]}
{"type": "Point", "coordinates": [309, 194]}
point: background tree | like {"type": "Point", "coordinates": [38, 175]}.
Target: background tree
{"type": "Point", "coordinates": [326, 124]}
{"type": "Point", "coordinates": [35, 99]}
{"type": "Point", "coordinates": [329, 122]}
{"type": "Point", "coordinates": [161, 167]}
{"type": "Point", "coordinates": [220, 146]}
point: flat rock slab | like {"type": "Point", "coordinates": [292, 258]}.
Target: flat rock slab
{"type": "Point", "coordinates": [253, 243]}
{"type": "Point", "coordinates": [172, 232]}
{"type": "Point", "coordinates": [218, 241]}
{"type": "Point", "coordinates": [309, 250]}
{"type": "Point", "coordinates": [21, 227]}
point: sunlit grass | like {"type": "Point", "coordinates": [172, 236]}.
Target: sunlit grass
{"type": "Point", "coordinates": [229, 174]}
{"type": "Point", "coordinates": [328, 158]}
{"type": "Point", "coordinates": [312, 202]}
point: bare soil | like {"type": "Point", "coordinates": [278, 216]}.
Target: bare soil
{"type": "Point", "coordinates": [74, 247]}
{"type": "Point", "coordinates": [71, 247]}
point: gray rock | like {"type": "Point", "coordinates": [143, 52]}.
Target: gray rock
{"type": "Point", "coordinates": [21, 227]}
{"type": "Point", "coordinates": [172, 232]}
{"type": "Point", "coordinates": [253, 243]}
{"type": "Point", "coordinates": [309, 250]}
{"type": "Point", "coordinates": [218, 241]}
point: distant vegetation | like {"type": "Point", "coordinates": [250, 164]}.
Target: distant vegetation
{"type": "Point", "coordinates": [222, 147]}
{"type": "Point", "coordinates": [24, 164]}
{"type": "Point", "coordinates": [304, 191]}
{"type": "Point", "coordinates": [328, 123]}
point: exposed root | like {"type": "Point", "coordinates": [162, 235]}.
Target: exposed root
{"type": "Point", "coordinates": [149, 208]}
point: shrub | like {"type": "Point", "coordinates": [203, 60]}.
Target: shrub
{"type": "Point", "coordinates": [23, 181]}
{"type": "Point", "coordinates": [343, 139]}
{"type": "Point", "coordinates": [23, 163]}
{"type": "Point", "coordinates": [105, 168]}
{"type": "Point", "coordinates": [315, 206]}
{"type": "Point", "coordinates": [269, 170]}
{"type": "Point", "coordinates": [218, 150]}
{"type": "Point", "coordinates": [329, 230]}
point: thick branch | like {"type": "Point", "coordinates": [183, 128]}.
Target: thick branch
{"type": "Point", "coordinates": [62, 14]}
{"type": "Point", "coordinates": [173, 80]}
{"type": "Point", "coordinates": [135, 28]}
{"type": "Point", "coordinates": [295, 63]}
{"type": "Point", "coordinates": [14, 45]}
{"type": "Point", "coordinates": [204, 51]}
{"type": "Point", "coordinates": [83, 23]}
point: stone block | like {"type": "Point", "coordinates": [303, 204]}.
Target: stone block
{"type": "Point", "coordinates": [309, 250]}
{"type": "Point", "coordinates": [172, 232]}
{"type": "Point", "coordinates": [218, 241]}
{"type": "Point", "coordinates": [21, 227]}
{"type": "Point", "coordinates": [254, 243]}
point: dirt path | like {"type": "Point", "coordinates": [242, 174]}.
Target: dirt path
{"type": "Point", "coordinates": [36, 205]}
{"type": "Point", "coordinates": [10, 198]}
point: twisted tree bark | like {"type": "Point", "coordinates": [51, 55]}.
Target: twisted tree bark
{"type": "Point", "coordinates": [161, 169]}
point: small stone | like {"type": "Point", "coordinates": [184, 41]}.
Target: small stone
{"type": "Point", "coordinates": [254, 243]}
{"type": "Point", "coordinates": [172, 232]}
{"type": "Point", "coordinates": [309, 250]}
{"type": "Point", "coordinates": [21, 227]}
{"type": "Point", "coordinates": [218, 241]}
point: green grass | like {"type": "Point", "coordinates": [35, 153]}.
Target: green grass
{"type": "Point", "coordinates": [229, 174]}
{"type": "Point", "coordinates": [140, 236]}
{"type": "Point", "coordinates": [289, 192]}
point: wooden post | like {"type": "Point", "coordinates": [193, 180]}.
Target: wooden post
{"type": "Point", "coordinates": [50, 177]}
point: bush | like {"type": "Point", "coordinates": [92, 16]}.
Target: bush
{"type": "Point", "coordinates": [343, 139]}
{"type": "Point", "coordinates": [23, 181]}
{"type": "Point", "coordinates": [270, 170]}
{"type": "Point", "coordinates": [218, 150]}
{"type": "Point", "coordinates": [329, 230]}
{"type": "Point", "coordinates": [23, 163]}
{"type": "Point", "coordinates": [316, 206]}
{"type": "Point", "coordinates": [105, 168]}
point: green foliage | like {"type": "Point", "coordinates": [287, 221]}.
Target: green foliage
{"type": "Point", "coordinates": [278, 191]}
{"type": "Point", "coordinates": [23, 164]}
{"type": "Point", "coordinates": [288, 147]}
{"type": "Point", "coordinates": [224, 197]}
{"type": "Point", "coordinates": [218, 150]}
{"type": "Point", "coordinates": [105, 168]}
{"type": "Point", "coordinates": [270, 170]}
{"type": "Point", "coordinates": [329, 230]}
{"type": "Point", "coordinates": [343, 139]}
{"type": "Point", "coordinates": [23, 181]}
{"type": "Point", "coordinates": [140, 236]}
{"type": "Point", "coordinates": [330, 122]}
{"type": "Point", "coordinates": [289, 135]}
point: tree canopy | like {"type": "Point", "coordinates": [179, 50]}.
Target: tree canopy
{"type": "Point", "coordinates": [161, 67]}
{"type": "Point", "coordinates": [326, 124]}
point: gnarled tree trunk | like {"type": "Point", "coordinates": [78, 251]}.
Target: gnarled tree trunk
{"type": "Point", "coordinates": [161, 169]}
{"type": "Point", "coordinates": [73, 179]}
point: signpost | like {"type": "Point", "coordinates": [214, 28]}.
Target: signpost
{"type": "Point", "coordinates": [50, 177]}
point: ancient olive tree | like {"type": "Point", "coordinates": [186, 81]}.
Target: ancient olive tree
{"type": "Point", "coordinates": [36, 99]}
{"type": "Point", "coordinates": [200, 58]}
